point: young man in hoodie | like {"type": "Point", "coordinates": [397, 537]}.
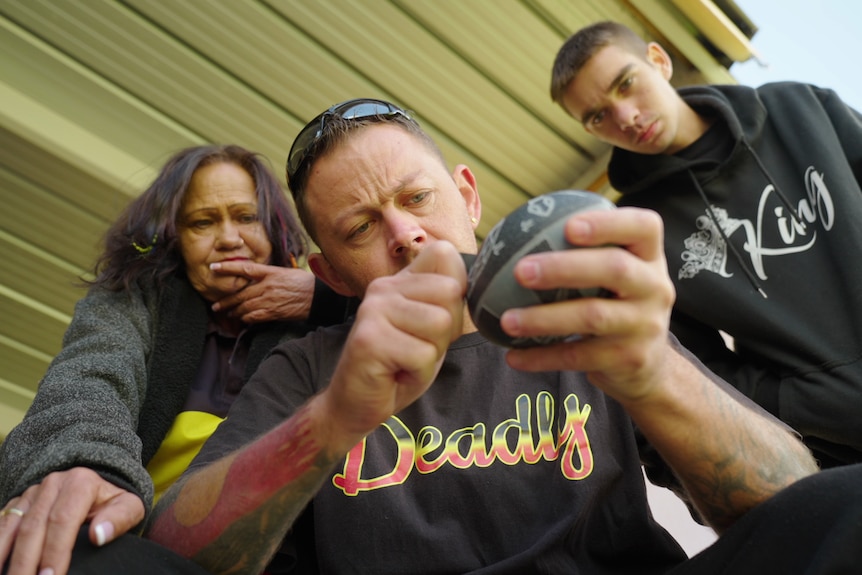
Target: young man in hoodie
{"type": "Point", "coordinates": [760, 194]}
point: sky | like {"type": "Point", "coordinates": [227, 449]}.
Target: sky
{"type": "Point", "coordinates": [813, 41]}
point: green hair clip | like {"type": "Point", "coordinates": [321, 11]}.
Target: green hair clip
{"type": "Point", "coordinates": [149, 248]}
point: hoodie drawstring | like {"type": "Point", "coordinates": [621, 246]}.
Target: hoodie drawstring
{"type": "Point", "coordinates": [740, 260]}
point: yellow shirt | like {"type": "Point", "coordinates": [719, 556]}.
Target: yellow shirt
{"type": "Point", "coordinates": [183, 441]}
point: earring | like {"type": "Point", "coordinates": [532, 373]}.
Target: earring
{"type": "Point", "coordinates": [474, 221]}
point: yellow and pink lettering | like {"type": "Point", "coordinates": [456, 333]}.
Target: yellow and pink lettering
{"type": "Point", "coordinates": [351, 482]}
{"type": "Point", "coordinates": [520, 439]}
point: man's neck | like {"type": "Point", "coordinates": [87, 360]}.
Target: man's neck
{"type": "Point", "coordinates": [467, 325]}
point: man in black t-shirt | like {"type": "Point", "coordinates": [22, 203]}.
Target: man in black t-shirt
{"type": "Point", "coordinates": [423, 448]}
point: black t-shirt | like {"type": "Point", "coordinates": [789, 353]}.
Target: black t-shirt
{"type": "Point", "coordinates": [492, 470]}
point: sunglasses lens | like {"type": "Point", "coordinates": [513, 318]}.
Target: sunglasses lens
{"type": "Point", "coordinates": [356, 110]}
{"type": "Point", "coordinates": [350, 110]}
{"type": "Point", "coordinates": [297, 151]}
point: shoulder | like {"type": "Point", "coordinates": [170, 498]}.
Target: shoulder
{"type": "Point", "coordinates": [323, 342]}
{"type": "Point", "coordinates": [784, 87]}
{"type": "Point", "coordinates": [789, 93]}
{"type": "Point", "coordinates": [111, 308]}
{"type": "Point", "coordinates": [311, 357]}
{"type": "Point", "coordinates": [807, 103]}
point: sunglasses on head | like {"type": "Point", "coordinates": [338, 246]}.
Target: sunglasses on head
{"type": "Point", "coordinates": [355, 109]}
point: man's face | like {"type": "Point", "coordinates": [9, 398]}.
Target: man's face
{"type": "Point", "coordinates": [627, 101]}
{"type": "Point", "coordinates": [381, 197]}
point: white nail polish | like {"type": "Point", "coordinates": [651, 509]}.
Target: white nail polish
{"type": "Point", "coordinates": [101, 537]}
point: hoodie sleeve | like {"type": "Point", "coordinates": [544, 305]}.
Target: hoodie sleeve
{"type": "Point", "coordinates": [831, 434]}
{"type": "Point", "coordinates": [86, 410]}
{"type": "Point", "coordinates": [847, 124]}
{"type": "Point", "coordinates": [710, 347]}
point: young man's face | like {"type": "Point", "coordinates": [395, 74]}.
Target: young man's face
{"type": "Point", "coordinates": [628, 101]}
{"type": "Point", "coordinates": [378, 199]}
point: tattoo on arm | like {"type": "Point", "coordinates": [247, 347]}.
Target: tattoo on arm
{"type": "Point", "coordinates": [232, 515]}
{"type": "Point", "coordinates": [751, 461]}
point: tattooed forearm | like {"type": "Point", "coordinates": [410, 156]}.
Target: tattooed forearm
{"type": "Point", "coordinates": [748, 463]}
{"type": "Point", "coordinates": [724, 490]}
{"type": "Point", "coordinates": [727, 457]}
{"type": "Point", "coordinates": [232, 515]}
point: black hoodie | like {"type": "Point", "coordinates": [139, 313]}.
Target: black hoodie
{"type": "Point", "coordinates": [763, 236]}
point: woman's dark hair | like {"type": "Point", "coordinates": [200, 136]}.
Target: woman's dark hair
{"type": "Point", "coordinates": [142, 243]}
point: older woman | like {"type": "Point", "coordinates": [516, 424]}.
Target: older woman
{"type": "Point", "coordinates": [197, 282]}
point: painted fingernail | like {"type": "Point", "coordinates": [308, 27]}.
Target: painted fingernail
{"type": "Point", "coordinates": [104, 532]}
{"type": "Point", "coordinates": [46, 571]}
{"type": "Point", "coordinates": [215, 266]}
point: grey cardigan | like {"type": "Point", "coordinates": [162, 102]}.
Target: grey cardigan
{"type": "Point", "coordinates": [110, 396]}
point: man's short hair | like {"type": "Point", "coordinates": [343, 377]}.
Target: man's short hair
{"type": "Point", "coordinates": [336, 131]}
{"type": "Point", "coordinates": [583, 45]}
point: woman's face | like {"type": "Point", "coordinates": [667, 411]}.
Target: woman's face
{"type": "Point", "coordinates": [218, 222]}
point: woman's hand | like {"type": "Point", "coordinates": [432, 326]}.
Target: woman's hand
{"type": "Point", "coordinates": [273, 293]}
{"type": "Point", "coordinates": [42, 532]}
